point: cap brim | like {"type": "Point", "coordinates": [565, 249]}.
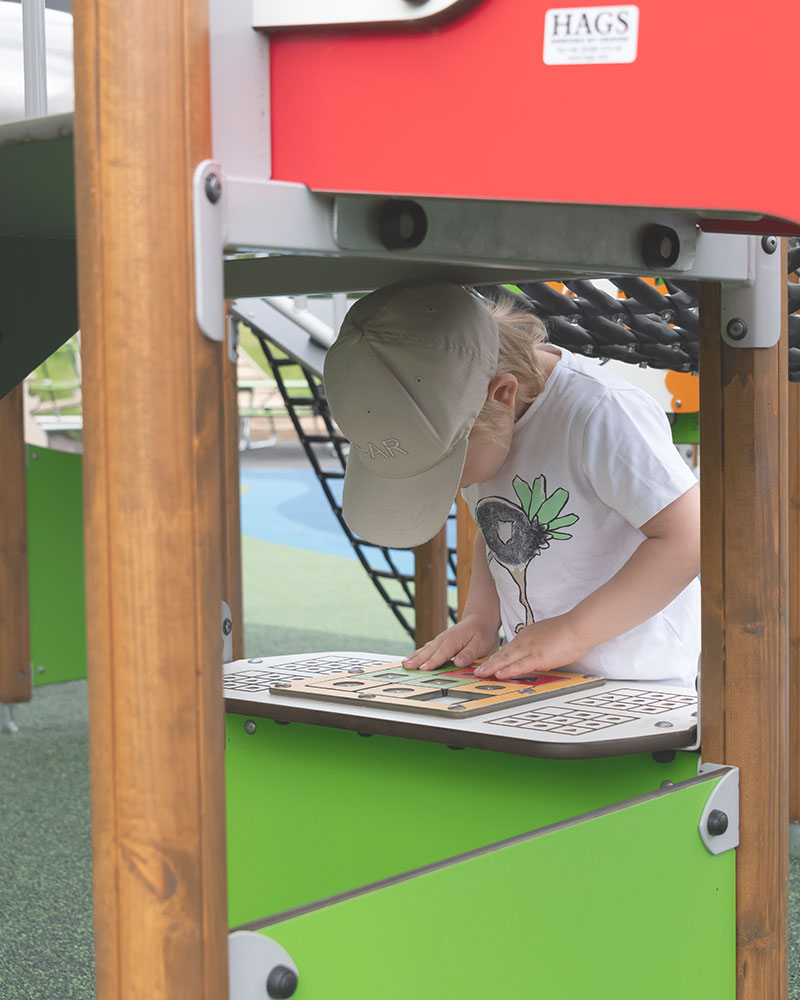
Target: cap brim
{"type": "Point", "coordinates": [401, 513]}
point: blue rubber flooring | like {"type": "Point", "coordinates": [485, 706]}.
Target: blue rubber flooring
{"type": "Point", "coordinates": [288, 506]}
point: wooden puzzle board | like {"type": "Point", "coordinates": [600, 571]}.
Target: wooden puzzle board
{"type": "Point", "coordinates": [448, 691]}
{"type": "Point", "coordinates": [612, 718]}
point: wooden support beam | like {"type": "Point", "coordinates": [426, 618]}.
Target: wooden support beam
{"type": "Point", "coordinates": [430, 588]}
{"type": "Point", "coordinates": [744, 721]}
{"type": "Point", "coordinates": [15, 639]}
{"type": "Point", "coordinates": [794, 596]}
{"type": "Point", "coordinates": [794, 602]}
{"type": "Point", "coordinates": [153, 494]}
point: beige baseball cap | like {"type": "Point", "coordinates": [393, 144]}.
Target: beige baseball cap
{"type": "Point", "coordinates": [405, 380]}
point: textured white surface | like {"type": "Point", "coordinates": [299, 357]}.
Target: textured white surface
{"type": "Point", "coordinates": [618, 710]}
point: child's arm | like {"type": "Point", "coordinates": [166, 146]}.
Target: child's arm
{"type": "Point", "coordinates": [664, 564]}
{"type": "Point", "coordinates": [476, 634]}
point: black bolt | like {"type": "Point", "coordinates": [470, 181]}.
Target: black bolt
{"type": "Point", "coordinates": [213, 188]}
{"type": "Point", "coordinates": [736, 328]}
{"type": "Point", "coordinates": [402, 224]}
{"type": "Point", "coordinates": [281, 982]}
{"type": "Point", "coordinates": [227, 627]}
{"type": "Point", "coordinates": [717, 822]}
{"type": "Point", "coordinates": [661, 246]}
{"type": "Point", "coordinates": [769, 244]}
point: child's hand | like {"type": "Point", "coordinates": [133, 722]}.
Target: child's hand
{"type": "Point", "coordinates": [464, 643]}
{"type": "Point", "coordinates": [542, 646]}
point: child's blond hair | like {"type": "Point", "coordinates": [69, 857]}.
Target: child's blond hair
{"type": "Point", "coordinates": [520, 331]}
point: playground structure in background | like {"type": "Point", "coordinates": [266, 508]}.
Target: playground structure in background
{"type": "Point", "coordinates": [353, 198]}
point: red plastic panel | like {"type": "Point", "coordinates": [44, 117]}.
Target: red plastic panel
{"type": "Point", "coordinates": [701, 119]}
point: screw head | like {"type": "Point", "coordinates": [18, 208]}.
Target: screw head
{"type": "Point", "coordinates": [736, 328]}
{"type": "Point", "coordinates": [717, 822]}
{"type": "Point", "coordinates": [281, 982]}
{"type": "Point", "coordinates": [402, 224]}
{"type": "Point", "coordinates": [213, 188]}
{"type": "Point", "coordinates": [661, 246]}
{"type": "Point", "coordinates": [227, 627]}
{"type": "Point", "coordinates": [769, 244]}
{"type": "Point", "coordinates": [249, 727]}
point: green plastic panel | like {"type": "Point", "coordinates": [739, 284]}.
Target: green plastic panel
{"type": "Point", "coordinates": [686, 428]}
{"type": "Point", "coordinates": [314, 811]}
{"type": "Point", "coordinates": [55, 565]}
{"type": "Point", "coordinates": [624, 905]}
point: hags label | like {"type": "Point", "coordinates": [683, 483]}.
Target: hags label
{"type": "Point", "coordinates": [575, 36]}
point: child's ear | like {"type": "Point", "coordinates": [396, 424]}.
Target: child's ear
{"type": "Point", "coordinates": [503, 389]}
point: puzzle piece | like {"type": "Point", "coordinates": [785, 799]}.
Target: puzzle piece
{"type": "Point", "coordinates": [444, 692]}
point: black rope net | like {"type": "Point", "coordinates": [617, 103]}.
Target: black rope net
{"type": "Point", "coordinates": [649, 322]}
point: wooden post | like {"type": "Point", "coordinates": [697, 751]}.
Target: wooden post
{"type": "Point", "coordinates": [794, 603]}
{"type": "Point", "coordinates": [794, 599]}
{"type": "Point", "coordinates": [153, 492]}
{"type": "Point", "coordinates": [430, 588]}
{"type": "Point", "coordinates": [15, 641]}
{"type": "Point", "coordinates": [466, 530]}
{"type": "Point", "coordinates": [233, 525]}
{"type": "Point", "coordinates": [745, 649]}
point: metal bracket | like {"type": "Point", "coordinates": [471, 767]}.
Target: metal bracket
{"type": "Point", "coordinates": [305, 13]}
{"type": "Point", "coordinates": [227, 633]}
{"type": "Point", "coordinates": [518, 233]}
{"type": "Point", "coordinates": [233, 341]}
{"type": "Point", "coordinates": [254, 962]}
{"type": "Point", "coordinates": [750, 313]}
{"type": "Point", "coordinates": [719, 822]}
{"type": "Point", "coordinates": [209, 225]}
{"type": "Point", "coordinates": [358, 242]}
{"type": "Point", "coordinates": [7, 724]}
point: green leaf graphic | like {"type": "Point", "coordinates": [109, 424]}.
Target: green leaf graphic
{"type": "Point", "coordinates": [538, 495]}
{"type": "Point", "coordinates": [563, 522]}
{"type": "Point", "coordinates": [553, 506]}
{"type": "Point", "coordinates": [560, 534]}
{"type": "Point", "coordinates": [523, 491]}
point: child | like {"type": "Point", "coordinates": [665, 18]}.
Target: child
{"type": "Point", "coordinates": [588, 551]}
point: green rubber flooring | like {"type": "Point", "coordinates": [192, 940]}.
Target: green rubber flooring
{"type": "Point", "coordinates": [46, 943]}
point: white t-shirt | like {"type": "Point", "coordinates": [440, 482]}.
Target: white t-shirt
{"type": "Point", "coordinates": [591, 460]}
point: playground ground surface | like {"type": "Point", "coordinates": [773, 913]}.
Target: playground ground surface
{"type": "Point", "coordinates": [303, 593]}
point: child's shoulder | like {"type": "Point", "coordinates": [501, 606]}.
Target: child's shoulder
{"type": "Point", "coordinates": [589, 382]}
{"type": "Point", "coordinates": [585, 393]}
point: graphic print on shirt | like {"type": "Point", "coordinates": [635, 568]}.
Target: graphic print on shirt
{"type": "Point", "coordinates": [516, 533]}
